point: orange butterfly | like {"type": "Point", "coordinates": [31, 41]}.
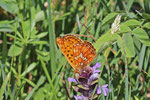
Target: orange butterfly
{"type": "Point", "coordinates": [79, 53]}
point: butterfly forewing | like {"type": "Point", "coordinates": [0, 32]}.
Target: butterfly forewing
{"type": "Point", "coordinates": [78, 53]}
{"type": "Point", "coordinates": [66, 46]}
{"type": "Point", "coordinates": [72, 39]}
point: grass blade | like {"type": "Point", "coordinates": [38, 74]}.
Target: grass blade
{"type": "Point", "coordinates": [49, 78]}
{"type": "Point", "coordinates": [130, 5]}
{"type": "Point", "coordinates": [141, 60]}
{"type": "Point", "coordinates": [2, 89]}
{"type": "Point", "coordinates": [39, 83]}
{"type": "Point", "coordinates": [105, 6]}
{"type": "Point", "coordinates": [51, 40]}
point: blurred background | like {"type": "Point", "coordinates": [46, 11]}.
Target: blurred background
{"type": "Point", "coordinates": [32, 66]}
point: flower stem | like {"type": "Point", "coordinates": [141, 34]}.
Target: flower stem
{"type": "Point", "coordinates": [126, 74]}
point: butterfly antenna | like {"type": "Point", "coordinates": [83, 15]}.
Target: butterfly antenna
{"type": "Point", "coordinates": [86, 28]}
{"type": "Point", "coordinates": [65, 34]}
{"type": "Point", "coordinates": [91, 35]}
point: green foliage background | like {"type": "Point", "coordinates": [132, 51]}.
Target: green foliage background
{"type": "Point", "coordinates": [33, 68]}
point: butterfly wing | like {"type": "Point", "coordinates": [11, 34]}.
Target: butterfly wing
{"type": "Point", "coordinates": [78, 53]}
{"type": "Point", "coordinates": [66, 45]}
{"type": "Point", "coordinates": [84, 54]}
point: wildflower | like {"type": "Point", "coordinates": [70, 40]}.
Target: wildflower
{"type": "Point", "coordinates": [104, 88]}
{"type": "Point", "coordinates": [86, 80]}
{"type": "Point", "coordinates": [115, 27]}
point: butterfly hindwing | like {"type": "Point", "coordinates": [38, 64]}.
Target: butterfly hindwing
{"type": "Point", "coordinates": [84, 53]}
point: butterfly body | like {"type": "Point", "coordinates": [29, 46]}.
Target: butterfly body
{"type": "Point", "coordinates": [79, 53]}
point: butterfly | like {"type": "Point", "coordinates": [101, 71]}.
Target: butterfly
{"type": "Point", "coordinates": [79, 53]}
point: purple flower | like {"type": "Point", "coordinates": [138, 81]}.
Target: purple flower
{"type": "Point", "coordinates": [80, 97]}
{"type": "Point", "coordinates": [104, 88]}
{"type": "Point", "coordinates": [98, 90]}
{"type": "Point", "coordinates": [72, 80]}
{"type": "Point", "coordinates": [94, 68]}
{"type": "Point", "coordinates": [92, 78]}
{"type": "Point", "coordinates": [86, 80]}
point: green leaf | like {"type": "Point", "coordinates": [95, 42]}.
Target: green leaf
{"type": "Point", "coordinates": [39, 16]}
{"type": "Point", "coordinates": [63, 16]}
{"type": "Point", "coordinates": [5, 26]}
{"type": "Point", "coordinates": [30, 68]}
{"type": "Point", "coordinates": [129, 46]}
{"type": "Point", "coordinates": [109, 18]}
{"type": "Point", "coordinates": [39, 42]}
{"type": "Point", "coordinates": [6, 22]}
{"type": "Point", "coordinates": [32, 18]}
{"type": "Point", "coordinates": [43, 93]}
{"type": "Point", "coordinates": [136, 98]}
{"type": "Point", "coordinates": [16, 31]}
{"type": "Point", "coordinates": [40, 94]}
{"type": "Point", "coordinates": [106, 38]}
{"type": "Point", "coordinates": [29, 82]}
{"type": "Point", "coordinates": [40, 35]}
{"type": "Point", "coordinates": [147, 25]}
{"type": "Point", "coordinates": [14, 50]}
{"type": "Point", "coordinates": [145, 41]}
{"type": "Point", "coordinates": [137, 43]}
{"type": "Point", "coordinates": [3, 87]}
{"type": "Point", "coordinates": [39, 83]}
{"type": "Point", "coordinates": [13, 36]}
{"type": "Point", "coordinates": [9, 5]}
{"type": "Point", "coordinates": [120, 44]}
{"type": "Point", "coordinates": [29, 28]}
{"type": "Point", "coordinates": [140, 33]}
{"type": "Point", "coordinates": [146, 15]}
{"type": "Point", "coordinates": [43, 55]}
{"type": "Point", "coordinates": [14, 71]}
{"type": "Point", "coordinates": [124, 28]}
{"type": "Point", "coordinates": [132, 23]}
